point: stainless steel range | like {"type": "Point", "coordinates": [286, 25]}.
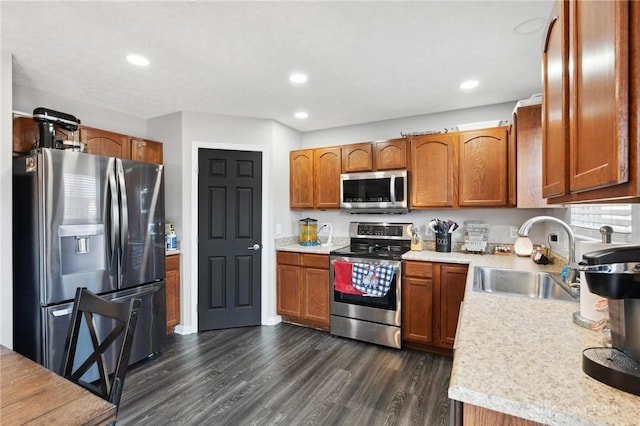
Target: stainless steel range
{"type": "Point", "coordinates": [366, 283]}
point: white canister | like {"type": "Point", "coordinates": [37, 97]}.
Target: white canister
{"type": "Point", "coordinates": [589, 302]}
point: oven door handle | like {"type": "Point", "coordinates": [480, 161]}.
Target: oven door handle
{"type": "Point", "coordinates": [392, 189]}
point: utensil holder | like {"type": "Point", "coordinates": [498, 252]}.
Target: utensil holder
{"type": "Point", "coordinates": [443, 242]}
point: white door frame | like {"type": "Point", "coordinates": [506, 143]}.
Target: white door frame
{"type": "Point", "coordinates": [266, 248]}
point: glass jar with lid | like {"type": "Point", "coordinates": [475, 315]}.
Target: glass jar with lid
{"type": "Point", "coordinates": [308, 232]}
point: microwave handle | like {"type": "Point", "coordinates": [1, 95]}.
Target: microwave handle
{"type": "Point", "coordinates": [392, 190]}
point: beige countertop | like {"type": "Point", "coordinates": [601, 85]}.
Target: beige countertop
{"type": "Point", "coordinates": [319, 249]}
{"type": "Point", "coordinates": [523, 356]}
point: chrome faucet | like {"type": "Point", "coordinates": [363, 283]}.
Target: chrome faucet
{"type": "Point", "coordinates": [572, 266]}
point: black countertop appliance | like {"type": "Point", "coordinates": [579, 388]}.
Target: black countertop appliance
{"type": "Point", "coordinates": [47, 119]}
{"type": "Point", "coordinates": [614, 273]}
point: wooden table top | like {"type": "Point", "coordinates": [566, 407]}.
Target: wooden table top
{"type": "Point", "coordinates": [29, 393]}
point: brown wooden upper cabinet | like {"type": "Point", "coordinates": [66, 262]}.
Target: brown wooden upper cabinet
{"type": "Point", "coordinates": [326, 176]}
{"type": "Point", "coordinates": [555, 108]}
{"type": "Point", "coordinates": [461, 169]}
{"type": "Point", "coordinates": [314, 178]}
{"type": "Point", "coordinates": [388, 154]}
{"type": "Point", "coordinates": [527, 137]}
{"type": "Point", "coordinates": [484, 167]}
{"type": "Point", "coordinates": [589, 107]}
{"type": "Point", "coordinates": [357, 157]}
{"type": "Point", "coordinates": [25, 135]}
{"type": "Point", "coordinates": [301, 179]}
{"type": "Point", "coordinates": [99, 142]}
{"type": "Point", "coordinates": [102, 142]}
{"type": "Point", "coordinates": [146, 150]}
{"type": "Point", "coordinates": [391, 154]}
{"type": "Point", "coordinates": [434, 171]}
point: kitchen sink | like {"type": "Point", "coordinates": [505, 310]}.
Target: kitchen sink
{"type": "Point", "coordinates": [534, 284]}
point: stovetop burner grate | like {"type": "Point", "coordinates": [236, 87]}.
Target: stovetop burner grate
{"type": "Point", "coordinates": [377, 240]}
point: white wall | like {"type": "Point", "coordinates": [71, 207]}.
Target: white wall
{"type": "Point", "coordinates": [168, 129]}
{"type": "Point", "coordinates": [284, 139]}
{"type": "Point", "coordinates": [500, 221]}
{"type": "Point", "coordinates": [26, 99]}
{"type": "Point", "coordinates": [6, 267]}
{"type": "Point", "coordinates": [389, 129]}
{"type": "Point", "coordinates": [211, 131]}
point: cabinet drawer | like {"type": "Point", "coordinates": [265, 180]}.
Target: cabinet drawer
{"type": "Point", "coordinates": [315, 261]}
{"type": "Point", "coordinates": [288, 258]}
{"type": "Point", "coordinates": [173, 262]}
{"type": "Point", "coordinates": [418, 269]}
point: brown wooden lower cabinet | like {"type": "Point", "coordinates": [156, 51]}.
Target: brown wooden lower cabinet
{"type": "Point", "coordinates": [431, 297]}
{"type": "Point", "coordinates": [173, 291]}
{"type": "Point", "coordinates": [417, 302]}
{"type": "Point", "coordinates": [473, 415]}
{"type": "Point", "coordinates": [302, 282]}
{"type": "Point", "coordinates": [452, 281]}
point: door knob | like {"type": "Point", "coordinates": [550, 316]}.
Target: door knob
{"type": "Point", "coordinates": [255, 247]}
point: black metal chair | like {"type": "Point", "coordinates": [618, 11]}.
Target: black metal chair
{"type": "Point", "coordinates": [118, 341]}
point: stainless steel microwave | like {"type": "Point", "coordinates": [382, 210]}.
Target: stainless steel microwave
{"type": "Point", "coordinates": [374, 192]}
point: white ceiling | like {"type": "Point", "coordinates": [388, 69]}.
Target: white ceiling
{"type": "Point", "coordinates": [366, 61]}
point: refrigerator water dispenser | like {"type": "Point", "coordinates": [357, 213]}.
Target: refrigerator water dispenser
{"type": "Point", "coordinates": [82, 248]}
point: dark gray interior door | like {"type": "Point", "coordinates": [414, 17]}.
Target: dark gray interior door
{"type": "Point", "coordinates": [229, 238]}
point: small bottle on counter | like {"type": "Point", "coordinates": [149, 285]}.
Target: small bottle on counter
{"type": "Point", "coordinates": [171, 239]}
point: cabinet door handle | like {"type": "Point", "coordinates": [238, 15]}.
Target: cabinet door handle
{"type": "Point", "coordinates": [255, 247]}
{"type": "Point", "coordinates": [548, 35]}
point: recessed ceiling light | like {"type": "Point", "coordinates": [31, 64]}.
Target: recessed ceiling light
{"type": "Point", "coordinates": [529, 26]}
{"type": "Point", "coordinates": [298, 78]}
{"type": "Point", "coordinates": [469, 84]}
{"type": "Point", "coordinates": [301, 115]}
{"type": "Point", "coordinates": [138, 60]}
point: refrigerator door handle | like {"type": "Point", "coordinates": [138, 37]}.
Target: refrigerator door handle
{"type": "Point", "coordinates": [124, 213]}
{"type": "Point", "coordinates": [62, 312]}
{"type": "Point", "coordinates": [115, 214]}
{"type": "Point", "coordinates": [136, 294]}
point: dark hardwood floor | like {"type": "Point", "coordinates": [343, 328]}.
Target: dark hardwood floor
{"type": "Point", "coordinates": [285, 374]}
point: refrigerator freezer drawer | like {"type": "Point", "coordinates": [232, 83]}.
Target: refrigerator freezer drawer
{"type": "Point", "coordinates": [151, 330]}
{"type": "Point", "coordinates": [149, 336]}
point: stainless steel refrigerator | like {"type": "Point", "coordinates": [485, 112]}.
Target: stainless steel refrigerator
{"type": "Point", "coordinates": [82, 220]}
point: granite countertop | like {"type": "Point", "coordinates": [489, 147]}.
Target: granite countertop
{"type": "Point", "coordinates": [319, 249]}
{"type": "Point", "coordinates": [523, 356]}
